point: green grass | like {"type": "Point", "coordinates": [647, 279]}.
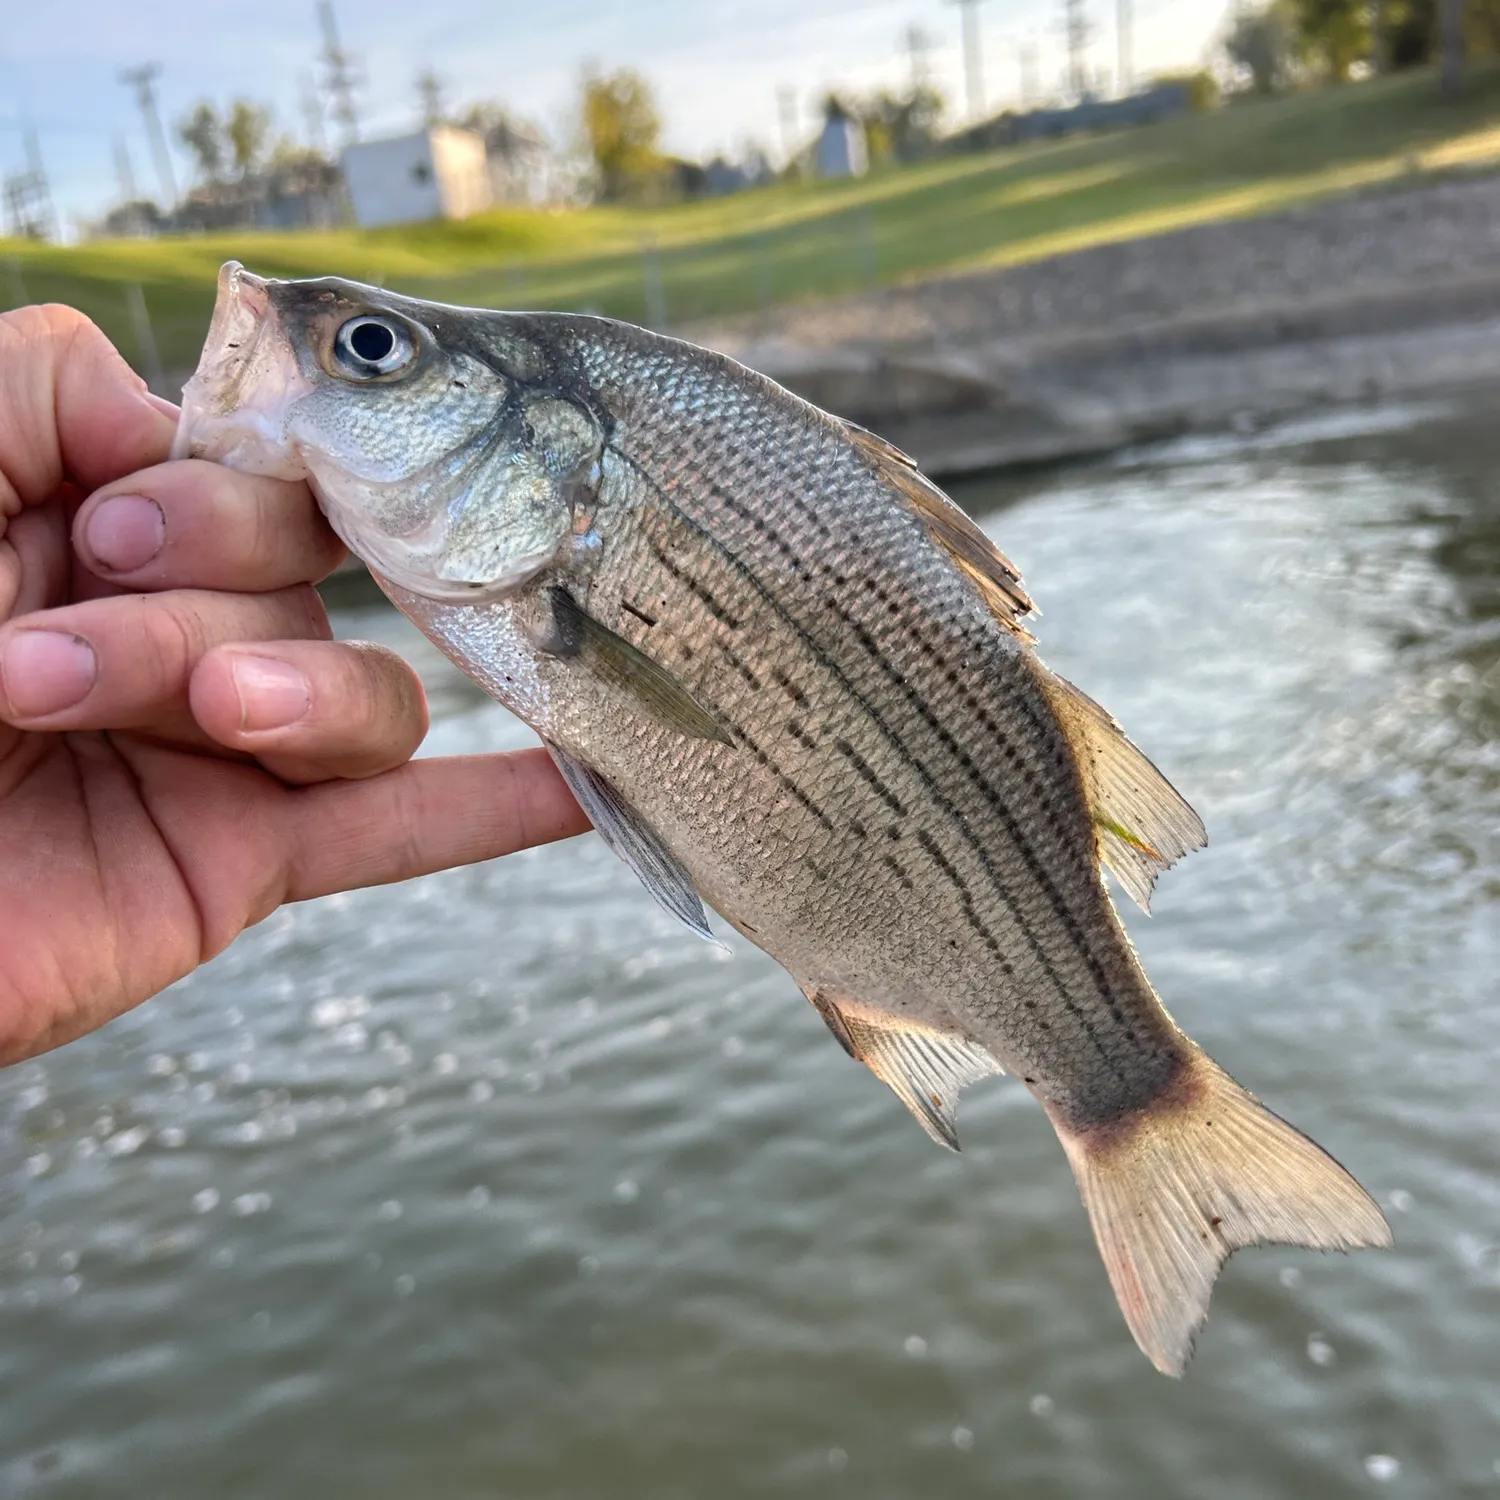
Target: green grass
{"type": "Point", "coordinates": [799, 241]}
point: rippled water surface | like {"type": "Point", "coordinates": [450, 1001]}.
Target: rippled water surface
{"type": "Point", "coordinates": [494, 1184]}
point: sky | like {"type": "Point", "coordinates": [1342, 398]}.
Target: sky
{"type": "Point", "coordinates": [716, 65]}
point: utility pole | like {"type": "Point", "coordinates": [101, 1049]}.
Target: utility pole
{"type": "Point", "coordinates": [142, 80]}
{"type": "Point", "coordinates": [1076, 29]}
{"type": "Point", "coordinates": [1123, 60]}
{"type": "Point", "coordinates": [918, 43]}
{"type": "Point", "coordinates": [125, 172]}
{"type": "Point", "coordinates": [41, 185]}
{"type": "Point", "coordinates": [1028, 73]}
{"type": "Point", "coordinates": [430, 96]}
{"type": "Point", "coordinates": [1451, 23]}
{"type": "Point", "coordinates": [342, 74]}
{"type": "Point", "coordinates": [312, 114]}
{"type": "Point", "coordinates": [973, 60]}
{"type": "Point", "coordinates": [786, 109]}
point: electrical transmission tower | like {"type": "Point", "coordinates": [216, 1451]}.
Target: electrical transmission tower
{"type": "Point", "coordinates": [341, 74]}
{"type": "Point", "coordinates": [143, 80]}
{"type": "Point", "coordinates": [1076, 30]}
{"type": "Point", "coordinates": [29, 214]}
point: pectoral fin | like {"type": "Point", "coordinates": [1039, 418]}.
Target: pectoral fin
{"type": "Point", "coordinates": [926, 1069]}
{"type": "Point", "coordinates": [1144, 825]}
{"type": "Point", "coordinates": [638, 845]}
{"type": "Point", "coordinates": [610, 657]}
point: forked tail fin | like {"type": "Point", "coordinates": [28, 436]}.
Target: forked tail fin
{"type": "Point", "coordinates": [1203, 1173]}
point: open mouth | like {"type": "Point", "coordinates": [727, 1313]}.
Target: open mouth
{"type": "Point", "coordinates": [234, 409]}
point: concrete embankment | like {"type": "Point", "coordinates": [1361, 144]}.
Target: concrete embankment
{"type": "Point", "coordinates": [1233, 325]}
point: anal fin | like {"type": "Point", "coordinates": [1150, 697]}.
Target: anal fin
{"type": "Point", "coordinates": [617, 823]}
{"type": "Point", "coordinates": [926, 1069]}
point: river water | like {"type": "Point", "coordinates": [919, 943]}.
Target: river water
{"type": "Point", "coordinates": [496, 1185]}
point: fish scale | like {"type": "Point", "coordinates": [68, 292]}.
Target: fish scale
{"type": "Point", "coordinates": [783, 672]}
{"type": "Point", "coordinates": [763, 550]}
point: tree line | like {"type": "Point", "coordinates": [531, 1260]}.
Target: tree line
{"type": "Point", "coordinates": [1281, 42]}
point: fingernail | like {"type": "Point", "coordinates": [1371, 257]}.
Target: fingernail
{"type": "Point", "coordinates": [43, 672]}
{"type": "Point", "coordinates": [272, 694]}
{"type": "Point", "coordinates": [125, 533]}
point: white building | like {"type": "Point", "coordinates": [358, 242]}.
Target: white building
{"type": "Point", "coordinates": [439, 173]}
{"type": "Point", "coordinates": [840, 149]}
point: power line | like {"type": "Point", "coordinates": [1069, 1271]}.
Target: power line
{"type": "Point", "coordinates": [142, 79]}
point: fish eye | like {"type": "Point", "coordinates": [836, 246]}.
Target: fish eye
{"type": "Point", "coordinates": [367, 347]}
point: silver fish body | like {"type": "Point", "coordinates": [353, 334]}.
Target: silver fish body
{"type": "Point", "coordinates": [785, 674]}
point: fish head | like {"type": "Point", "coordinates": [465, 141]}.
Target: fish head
{"type": "Point", "coordinates": [440, 448]}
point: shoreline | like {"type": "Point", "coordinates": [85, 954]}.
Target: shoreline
{"type": "Point", "coordinates": [1220, 328]}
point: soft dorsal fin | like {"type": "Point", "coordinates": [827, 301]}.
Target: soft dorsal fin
{"type": "Point", "coordinates": [982, 562]}
{"type": "Point", "coordinates": [618, 824]}
{"type": "Point", "coordinates": [1144, 825]}
{"type": "Point", "coordinates": [926, 1070]}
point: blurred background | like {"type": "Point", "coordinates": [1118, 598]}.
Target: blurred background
{"type": "Point", "coordinates": [495, 1184]}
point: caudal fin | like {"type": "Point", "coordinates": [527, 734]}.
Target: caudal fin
{"type": "Point", "coordinates": [1206, 1172]}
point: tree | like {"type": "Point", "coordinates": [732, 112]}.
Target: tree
{"type": "Point", "coordinates": [623, 129]}
{"type": "Point", "coordinates": [899, 127]}
{"type": "Point", "coordinates": [1336, 34]}
{"type": "Point", "coordinates": [1263, 43]}
{"type": "Point", "coordinates": [247, 130]}
{"type": "Point", "coordinates": [202, 132]}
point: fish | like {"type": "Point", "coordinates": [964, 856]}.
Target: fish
{"type": "Point", "coordinates": [789, 680]}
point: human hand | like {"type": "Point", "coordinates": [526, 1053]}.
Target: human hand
{"type": "Point", "coordinates": [183, 748]}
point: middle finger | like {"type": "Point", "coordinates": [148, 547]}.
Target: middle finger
{"type": "Point", "coordinates": [197, 525]}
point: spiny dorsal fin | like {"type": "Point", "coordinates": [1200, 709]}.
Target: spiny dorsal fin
{"type": "Point", "coordinates": [1144, 825]}
{"type": "Point", "coordinates": [618, 824]}
{"type": "Point", "coordinates": [575, 632]}
{"type": "Point", "coordinates": [926, 1070]}
{"type": "Point", "coordinates": [982, 562]}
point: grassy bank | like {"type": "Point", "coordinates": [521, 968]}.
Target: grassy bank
{"type": "Point", "coordinates": [796, 241]}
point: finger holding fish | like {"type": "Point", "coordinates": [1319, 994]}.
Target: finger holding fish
{"type": "Point", "coordinates": [194, 525]}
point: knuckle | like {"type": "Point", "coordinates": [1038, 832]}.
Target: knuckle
{"type": "Point", "coordinates": [174, 634]}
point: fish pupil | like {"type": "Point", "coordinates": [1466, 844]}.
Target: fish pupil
{"type": "Point", "coordinates": [372, 341]}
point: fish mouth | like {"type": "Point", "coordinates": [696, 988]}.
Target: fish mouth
{"type": "Point", "coordinates": [236, 405]}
